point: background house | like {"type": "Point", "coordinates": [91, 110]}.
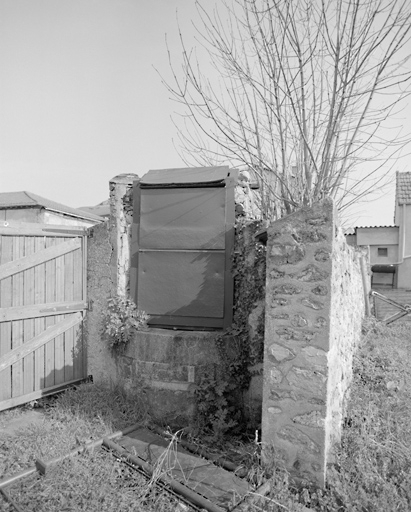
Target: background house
{"type": "Point", "coordinates": [390, 246]}
{"type": "Point", "coordinates": [390, 251]}
{"type": "Point", "coordinates": [102, 209]}
{"type": "Point", "coordinates": [28, 207]}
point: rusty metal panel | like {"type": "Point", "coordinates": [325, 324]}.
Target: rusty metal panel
{"type": "Point", "coordinates": [182, 241]}
{"type": "Point", "coordinates": [182, 283]}
{"type": "Point", "coordinates": [182, 218]}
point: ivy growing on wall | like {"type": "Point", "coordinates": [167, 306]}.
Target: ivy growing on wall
{"type": "Point", "coordinates": [219, 394]}
{"type": "Point", "coordinates": [249, 268]}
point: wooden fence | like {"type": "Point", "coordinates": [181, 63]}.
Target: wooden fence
{"type": "Point", "coordinates": [42, 307]}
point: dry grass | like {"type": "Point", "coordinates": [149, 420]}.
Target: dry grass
{"type": "Point", "coordinates": [73, 418]}
{"type": "Point", "coordinates": [372, 472]}
{"type": "Point", "coordinates": [374, 468]}
{"type": "Point", "coordinates": [93, 481]}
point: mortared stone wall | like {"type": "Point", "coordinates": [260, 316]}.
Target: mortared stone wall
{"type": "Point", "coordinates": [314, 311]}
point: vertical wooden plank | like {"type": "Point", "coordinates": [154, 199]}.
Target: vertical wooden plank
{"type": "Point", "coordinates": [79, 283]}
{"type": "Point", "coordinates": [78, 274]}
{"type": "Point", "coordinates": [85, 299]}
{"type": "Point", "coordinates": [6, 255]}
{"type": "Point", "coordinates": [79, 363]}
{"type": "Point", "coordinates": [49, 378]}
{"type": "Point", "coordinates": [17, 325]}
{"type": "Point", "coordinates": [59, 340]}
{"type": "Point", "coordinates": [39, 323]}
{"type": "Point", "coordinates": [69, 335]}
{"type": "Point", "coordinates": [28, 325]}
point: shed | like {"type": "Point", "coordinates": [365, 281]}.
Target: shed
{"type": "Point", "coordinates": [28, 207]}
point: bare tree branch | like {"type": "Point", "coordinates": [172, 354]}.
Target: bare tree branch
{"type": "Point", "coordinates": [303, 93]}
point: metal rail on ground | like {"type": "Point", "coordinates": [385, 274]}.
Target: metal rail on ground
{"type": "Point", "coordinates": [188, 495]}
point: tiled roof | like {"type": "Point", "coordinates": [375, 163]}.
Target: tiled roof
{"type": "Point", "coordinates": [28, 199]}
{"type": "Point", "coordinates": [403, 191]}
{"type": "Point", "coordinates": [101, 209]}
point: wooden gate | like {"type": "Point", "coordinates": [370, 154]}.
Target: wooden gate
{"type": "Point", "coordinates": [183, 235]}
{"type": "Point", "coordinates": [42, 306]}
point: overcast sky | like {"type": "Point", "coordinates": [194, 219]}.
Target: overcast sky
{"type": "Point", "coordinates": [80, 100]}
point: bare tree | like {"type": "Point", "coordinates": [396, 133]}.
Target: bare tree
{"type": "Point", "coordinates": [300, 94]}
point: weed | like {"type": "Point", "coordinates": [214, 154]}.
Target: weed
{"type": "Point", "coordinates": [167, 461]}
{"type": "Point", "coordinates": [217, 413]}
{"type": "Point", "coordinates": [121, 321]}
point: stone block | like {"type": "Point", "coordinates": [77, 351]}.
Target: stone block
{"type": "Point", "coordinates": [286, 254]}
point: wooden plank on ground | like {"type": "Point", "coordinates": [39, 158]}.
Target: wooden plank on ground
{"type": "Point", "coordinates": [50, 333]}
{"type": "Point", "coordinates": [223, 488]}
{"type": "Point", "coordinates": [32, 260]}
{"type": "Point", "coordinates": [40, 310]}
{"type": "Point", "coordinates": [6, 255]}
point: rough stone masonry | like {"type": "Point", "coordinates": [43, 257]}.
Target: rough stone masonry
{"type": "Point", "coordinates": [314, 310]}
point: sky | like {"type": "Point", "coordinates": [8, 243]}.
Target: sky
{"type": "Point", "coordinates": [81, 100]}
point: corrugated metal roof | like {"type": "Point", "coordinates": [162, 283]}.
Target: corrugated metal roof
{"type": "Point", "coordinates": [403, 190]}
{"type": "Point", "coordinates": [185, 175]}
{"type": "Point", "coordinates": [28, 199]}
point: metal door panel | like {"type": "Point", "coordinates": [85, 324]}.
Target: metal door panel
{"type": "Point", "coordinates": [182, 283]}
{"type": "Point", "coordinates": [182, 241]}
{"type": "Point", "coordinates": [183, 218]}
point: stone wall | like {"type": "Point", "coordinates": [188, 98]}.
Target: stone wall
{"type": "Point", "coordinates": [108, 261]}
{"type": "Point", "coordinates": [314, 309]}
{"type": "Point", "coordinates": [101, 284]}
{"type": "Point", "coordinates": [169, 364]}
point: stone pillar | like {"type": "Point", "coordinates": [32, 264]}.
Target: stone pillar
{"type": "Point", "coordinates": [121, 214]}
{"type": "Point", "coordinates": [314, 308]}
{"type": "Point", "coordinates": [108, 257]}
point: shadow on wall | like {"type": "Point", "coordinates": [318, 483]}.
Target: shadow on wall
{"type": "Point", "coordinates": [186, 288]}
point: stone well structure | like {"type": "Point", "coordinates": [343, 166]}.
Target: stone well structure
{"type": "Point", "coordinates": [314, 305]}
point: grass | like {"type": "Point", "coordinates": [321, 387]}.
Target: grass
{"type": "Point", "coordinates": [371, 473]}
{"type": "Point", "coordinates": [374, 462]}
{"type": "Point", "coordinates": [372, 470]}
{"type": "Point", "coordinates": [93, 481]}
